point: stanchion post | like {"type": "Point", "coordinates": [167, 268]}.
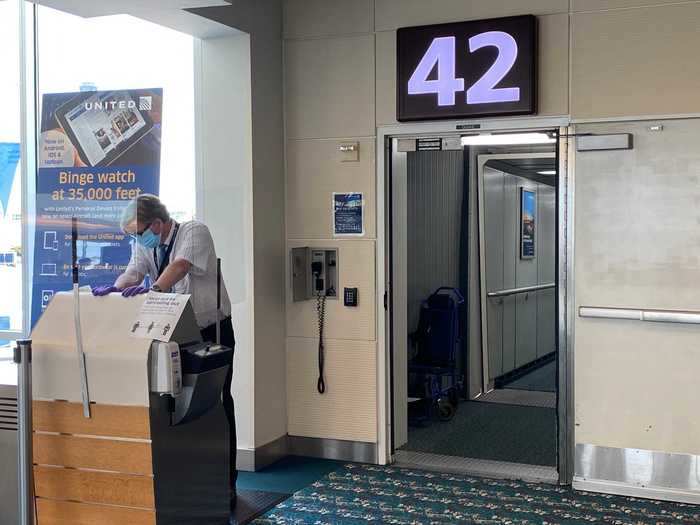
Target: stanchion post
{"type": "Point", "coordinates": [23, 359]}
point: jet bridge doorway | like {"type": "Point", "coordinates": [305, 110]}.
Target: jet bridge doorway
{"type": "Point", "coordinates": [436, 238]}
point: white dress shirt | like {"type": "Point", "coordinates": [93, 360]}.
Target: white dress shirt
{"type": "Point", "coordinates": [194, 244]}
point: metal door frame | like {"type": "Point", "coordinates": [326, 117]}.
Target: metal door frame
{"type": "Point", "coordinates": [565, 405]}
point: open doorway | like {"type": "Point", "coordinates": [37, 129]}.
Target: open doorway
{"type": "Point", "coordinates": [473, 318]}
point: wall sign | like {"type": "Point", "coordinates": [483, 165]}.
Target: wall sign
{"type": "Point", "coordinates": [528, 221]}
{"type": "Point", "coordinates": [97, 151]}
{"type": "Point", "coordinates": [467, 69]}
{"type": "Point", "coordinates": [348, 214]}
{"type": "Point", "coordinates": [159, 315]}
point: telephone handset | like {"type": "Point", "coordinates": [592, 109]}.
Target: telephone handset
{"type": "Point", "coordinates": [317, 271]}
{"type": "Point", "coordinates": [315, 275]}
{"type": "Point", "coordinates": [323, 287]}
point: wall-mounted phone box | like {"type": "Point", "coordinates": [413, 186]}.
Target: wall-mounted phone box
{"type": "Point", "coordinates": [314, 272]}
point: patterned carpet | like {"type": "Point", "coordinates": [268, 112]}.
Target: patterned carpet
{"type": "Point", "coordinates": [357, 494]}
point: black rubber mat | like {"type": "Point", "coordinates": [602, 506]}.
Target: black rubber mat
{"type": "Point", "coordinates": [518, 434]}
{"type": "Point", "coordinates": [254, 503]}
{"type": "Point", "coordinates": [542, 379]}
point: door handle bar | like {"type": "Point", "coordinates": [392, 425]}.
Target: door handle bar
{"type": "Point", "coordinates": [653, 316]}
{"type": "Point", "coordinates": [524, 289]}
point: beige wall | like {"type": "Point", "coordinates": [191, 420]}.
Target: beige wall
{"type": "Point", "coordinates": [314, 172]}
{"type": "Point", "coordinates": [604, 5]}
{"type": "Point", "coordinates": [598, 59]}
{"type": "Point", "coordinates": [313, 18]}
{"type": "Point", "coordinates": [265, 380]}
{"type": "Point", "coordinates": [330, 100]}
{"type": "Point", "coordinates": [638, 246]}
{"type": "Point", "coordinates": [339, 86]}
{"type": "Point", "coordinates": [225, 199]}
{"type": "Point", "coordinates": [634, 62]}
{"type": "Point", "coordinates": [392, 14]}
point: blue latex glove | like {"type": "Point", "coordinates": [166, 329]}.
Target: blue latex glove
{"type": "Point", "coordinates": [132, 291]}
{"type": "Point", "coordinates": [99, 291]}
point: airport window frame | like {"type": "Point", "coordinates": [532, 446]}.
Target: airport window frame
{"type": "Point", "coordinates": [28, 49]}
{"type": "Point", "coordinates": [27, 109]}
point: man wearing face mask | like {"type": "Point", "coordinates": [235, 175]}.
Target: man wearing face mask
{"type": "Point", "coordinates": [178, 258]}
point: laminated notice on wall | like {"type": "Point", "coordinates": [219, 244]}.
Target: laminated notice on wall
{"type": "Point", "coordinates": [348, 214]}
{"type": "Point", "coordinates": [159, 315]}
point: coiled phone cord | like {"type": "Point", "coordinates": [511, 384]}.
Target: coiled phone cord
{"type": "Point", "coordinates": [321, 310]}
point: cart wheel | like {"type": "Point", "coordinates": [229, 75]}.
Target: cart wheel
{"type": "Point", "coordinates": [454, 397]}
{"type": "Point", "coordinates": [446, 410]}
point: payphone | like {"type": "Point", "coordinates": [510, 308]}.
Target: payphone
{"type": "Point", "coordinates": [314, 273]}
{"type": "Point", "coordinates": [315, 276]}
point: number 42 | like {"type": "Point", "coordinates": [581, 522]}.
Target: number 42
{"type": "Point", "coordinates": [443, 52]}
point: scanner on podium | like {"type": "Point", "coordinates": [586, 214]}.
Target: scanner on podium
{"type": "Point", "coordinates": [154, 450]}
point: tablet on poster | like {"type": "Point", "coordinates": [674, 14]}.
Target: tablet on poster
{"type": "Point", "coordinates": [348, 214]}
{"type": "Point", "coordinates": [103, 125]}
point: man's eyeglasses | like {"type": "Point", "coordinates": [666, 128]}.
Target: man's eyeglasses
{"type": "Point", "coordinates": [139, 234]}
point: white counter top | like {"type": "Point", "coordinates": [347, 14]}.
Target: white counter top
{"type": "Point", "coordinates": [8, 372]}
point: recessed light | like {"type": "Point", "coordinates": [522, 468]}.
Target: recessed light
{"type": "Point", "coordinates": [505, 139]}
{"type": "Point", "coordinates": [547, 172]}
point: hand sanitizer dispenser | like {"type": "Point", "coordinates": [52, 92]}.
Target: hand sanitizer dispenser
{"type": "Point", "coordinates": [166, 368]}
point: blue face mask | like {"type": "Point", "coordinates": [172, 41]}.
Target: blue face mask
{"type": "Point", "coordinates": [148, 239]}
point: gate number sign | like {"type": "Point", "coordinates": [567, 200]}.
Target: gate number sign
{"type": "Point", "coordinates": [468, 69]}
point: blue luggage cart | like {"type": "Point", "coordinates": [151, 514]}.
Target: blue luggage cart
{"type": "Point", "coordinates": [434, 383]}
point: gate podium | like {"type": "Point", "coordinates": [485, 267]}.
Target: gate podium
{"type": "Point", "coordinates": [142, 457]}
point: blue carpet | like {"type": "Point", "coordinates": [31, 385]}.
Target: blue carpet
{"type": "Point", "coordinates": [288, 475]}
{"type": "Point", "coordinates": [542, 379]}
{"type": "Point", "coordinates": [357, 494]}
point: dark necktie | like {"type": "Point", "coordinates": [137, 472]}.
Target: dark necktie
{"type": "Point", "coordinates": [162, 249]}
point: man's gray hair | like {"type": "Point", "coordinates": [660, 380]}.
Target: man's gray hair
{"type": "Point", "coordinates": [144, 209]}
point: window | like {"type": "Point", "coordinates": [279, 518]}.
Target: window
{"type": "Point", "coordinates": [134, 64]}
{"type": "Point", "coordinates": [11, 259]}
{"type": "Point", "coordinates": [80, 54]}
{"type": "Point", "coordinates": [123, 52]}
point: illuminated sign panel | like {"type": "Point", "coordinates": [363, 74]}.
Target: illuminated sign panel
{"type": "Point", "coordinates": [468, 69]}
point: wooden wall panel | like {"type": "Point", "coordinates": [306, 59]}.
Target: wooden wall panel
{"type": "Point", "coordinates": [51, 512]}
{"type": "Point", "coordinates": [90, 453]}
{"type": "Point", "coordinates": [94, 487]}
{"type": "Point", "coordinates": [106, 420]}
{"type": "Point", "coordinates": [96, 470]}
